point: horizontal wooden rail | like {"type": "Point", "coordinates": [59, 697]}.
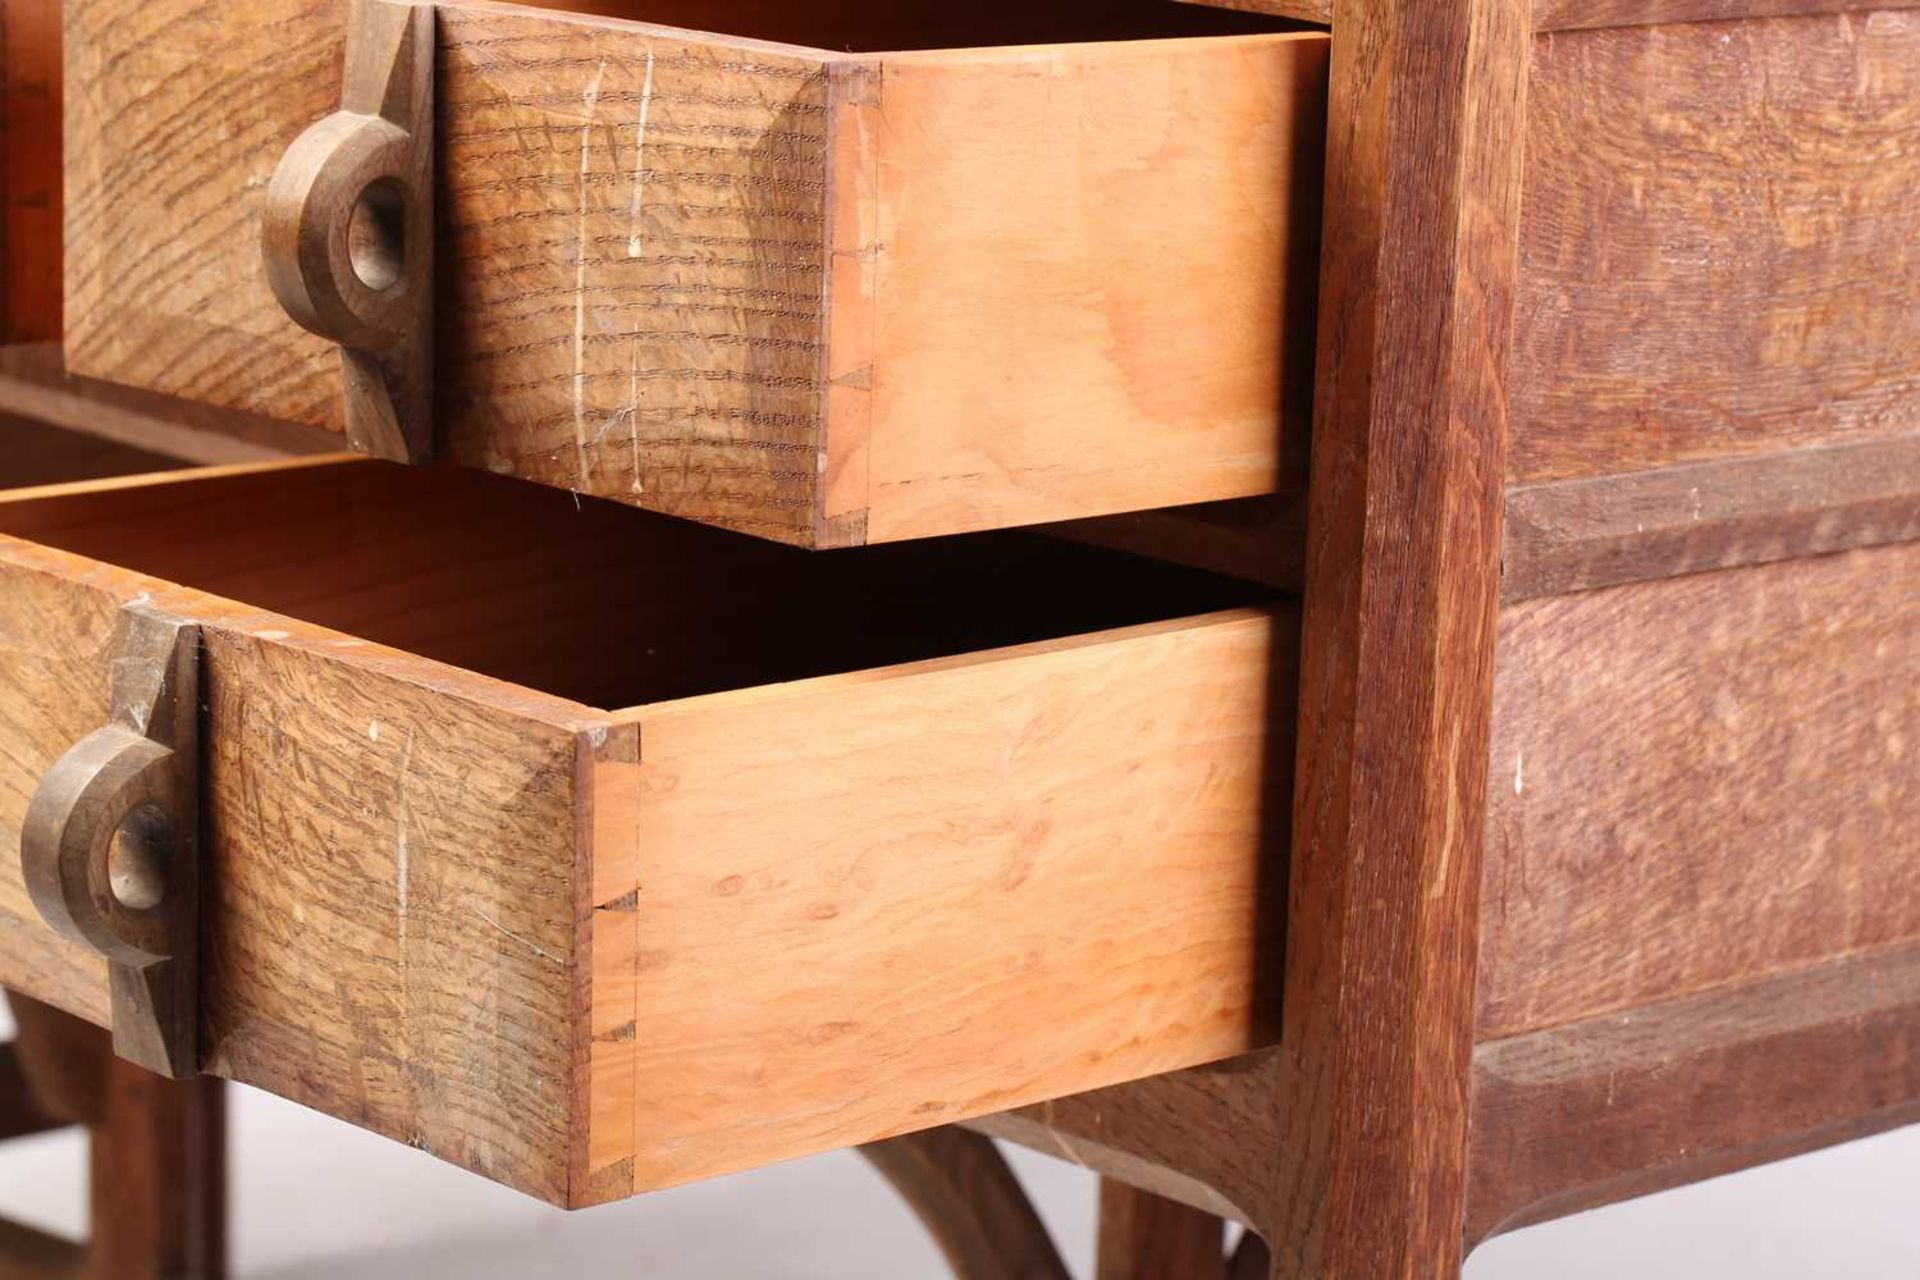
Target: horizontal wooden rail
{"type": "Point", "coordinates": [1575, 15]}
{"type": "Point", "coordinates": [1625, 1104]}
{"type": "Point", "coordinates": [1571, 15]}
{"type": "Point", "coordinates": [34, 385]}
{"type": "Point", "coordinates": [1571, 535]}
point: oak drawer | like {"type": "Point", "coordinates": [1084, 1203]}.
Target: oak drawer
{"type": "Point", "coordinates": [820, 296]}
{"type": "Point", "coordinates": [596, 851]}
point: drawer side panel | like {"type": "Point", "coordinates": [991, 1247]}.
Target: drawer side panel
{"type": "Point", "coordinates": [868, 906]}
{"type": "Point", "coordinates": [1088, 277]}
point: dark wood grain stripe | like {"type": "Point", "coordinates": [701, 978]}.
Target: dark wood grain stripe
{"type": "Point", "coordinates": [1572, 535]}
{"type": "Point", "coordinates": [1576, 15]}
{"type": "Point", "coordinates": [1572, 15]}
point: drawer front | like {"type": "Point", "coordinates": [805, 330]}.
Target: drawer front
{"type": "Point", "coordinates": [824, 298]}
{"type": "Point", "coordinates": [736, 918]}
{"type": "Point", "coordinates": [368, 822]}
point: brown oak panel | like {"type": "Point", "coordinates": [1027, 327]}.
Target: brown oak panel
{"type": "Point", "coordinates": [1720, 242]}
{"type": "Point", "coordinates": [1700, 781]}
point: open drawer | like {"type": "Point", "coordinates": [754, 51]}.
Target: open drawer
{"type": "Point", "coordinates": [872, 842]}
{"type": "Point", "coordinates": [849, 273]}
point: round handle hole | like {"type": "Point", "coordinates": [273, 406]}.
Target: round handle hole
{"type": "Point", "coordinates": [377, 235]}
{"type": "Point", "coordinates": [137, 859]}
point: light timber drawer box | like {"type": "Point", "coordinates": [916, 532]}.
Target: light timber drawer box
{"type": "Point", "coordinates": [859, 287]}
{"type": "Point", "coordinates": [845, 864]}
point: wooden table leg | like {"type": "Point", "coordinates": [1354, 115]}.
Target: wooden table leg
{"type": "Point", "coordinates": [1148, 1237]}
{"type": "Point", "coordinates": [158, 1172]}
{"type": "Point", "coordinates": [966, 1195]}
{"type": "Point", "coordinates": [157, 1155]}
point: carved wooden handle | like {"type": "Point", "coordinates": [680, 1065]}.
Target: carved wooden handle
{"type": "Point", "coordinates": [348, 230]}
{"type": "Point", "coordinates": [110, 846]}
{"type": "Point", "coordinates": [90, 879]}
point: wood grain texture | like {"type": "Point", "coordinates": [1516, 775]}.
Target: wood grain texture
{"type": "Point", "coordinates": [964, 886]}
{"type": "Point", "coordinates": [22, 1115]}
{"type": "Point", "coordinates": [1573, 535]}
{"type": "Point", "coordinates": [1259, 539]}
{"type": "Point", "coordinates": [175, 301]}
{"type": "Point", "coordinates": [357, 958]}
{"type": "Point", "coordinates": [700, 273]}
{"type": "Point", "coordinates": [1720, 242]}
{"type": "Point", "coordinates": [51, 640]}
{"type": "Point", "coordinates": [1315, 11]}
{"type": "Point", "coordinates": [1566, 15]}
{"type": "Point", "coordinates": [1346, 1148]}
{"type": "Point", "coordinates": [1059, 843]}
{"type": "Point", "coordinates": [634, 263]}
{"type": "Point", "coordinates": [110, 844]}
{"type": "Point", "coordinates": [1698, 782]}
{"type": "Point", "coordinates": [1402, 585]}
{"type": "Point", "coordinates": [34, 384]}
{"type": "Point", "coordinates": [29, 170]}
{"type": "Point", "coordinates": [1147, 1237]}
{"type": "Point", "coordinates": [156, 1166]}
{"type": "Point", "coordinates": [38, 455]}
{"type": "Point", "coordinates": [1034, 320]}
{"type": "Point", "coordinates": [521, 583]}
{"type": "Point", "coordinates": [564, 297]}
{"type": "Point", "coordinates": [1205, 1137]}
{"type": "Point", "coordinates": [1625, 1104]}
{"type": "Point", "coordinates": [157, 1178]}
{"type": "Point", "coordinates": [361, 959]}
{"type": "Point", "coordinates": [967, 1196]}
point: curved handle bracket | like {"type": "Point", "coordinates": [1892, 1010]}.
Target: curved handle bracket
{"type": "Point", "coordinates": [110, 849]}
{"type": "Point", "coordinates": [347, 236]}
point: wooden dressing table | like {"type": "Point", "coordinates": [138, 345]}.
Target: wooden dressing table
{"type": "Point", "coordinates": [1314, 608]}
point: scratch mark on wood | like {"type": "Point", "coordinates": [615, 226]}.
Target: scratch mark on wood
{"type": "Point", "coordinates": [505, 932]}
{"type": "Point", "coordinates": [402, 839]}
{"type": "Point", "coordinates": [590, 104]}
{"type": "Point", "coordinates": [639, 158]}
{"type": "Point", "coordinates": [633, 251]}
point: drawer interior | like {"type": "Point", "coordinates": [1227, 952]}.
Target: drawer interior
{"type": "Point", "coordinates": [873, 26]}
{"type": "Point", "coordinates": [586, 599]}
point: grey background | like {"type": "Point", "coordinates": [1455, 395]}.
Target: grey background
{"type": "Point", "coordinates": [315, 1199]}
